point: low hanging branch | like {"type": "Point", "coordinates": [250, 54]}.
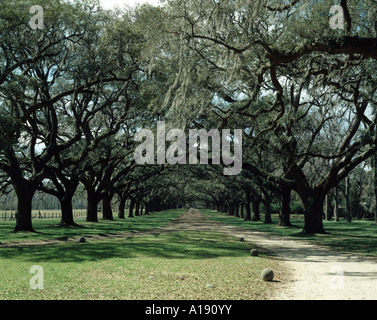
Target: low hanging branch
{"type": "Point", "coordinates": [365, 47]}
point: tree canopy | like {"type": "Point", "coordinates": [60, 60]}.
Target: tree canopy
{"type": "Point", "coordinates": [75, 92]}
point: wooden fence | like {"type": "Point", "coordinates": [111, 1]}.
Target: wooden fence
{"type": "Point", "coordinates": [44, 214]}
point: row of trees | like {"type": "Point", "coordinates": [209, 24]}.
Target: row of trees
{"type": "Point", "coordinates": [244, 198]}
{"type": "Point", "coordinates": [71, 97]}
{"type": "Point", "coordinates": [304, 94]}
{"type": "Point", "coordinates": [74, 93]}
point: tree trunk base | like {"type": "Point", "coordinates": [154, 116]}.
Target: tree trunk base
{"type": "Point", "coordinates": [285, 224]}
{"type": "Point", "coordinates": [313, 228]}
{"type": "Point", "coordinates": [69, 225]}
{"type": "Point", "coordinates": [24, 229]}
{"type": "Point", "coordinates": [310, 232]}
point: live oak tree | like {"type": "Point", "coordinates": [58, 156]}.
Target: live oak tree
{"type": "Point", "coordinates": [31, 64]}
{"type": "Point", "coordinates": [53, 82]}
{"type": "Point", "coordinates": [101, 173]}
{"type": "Point", "coordinates": [63, 184]}
{"type": "Point", "coordinates": [241, 51]}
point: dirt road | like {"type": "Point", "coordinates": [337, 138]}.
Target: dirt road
{"type": "Point", "coordinates": [317, 273]}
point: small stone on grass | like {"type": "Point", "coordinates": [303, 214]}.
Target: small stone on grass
{"type": "Point", "coordinates": [267, 275]}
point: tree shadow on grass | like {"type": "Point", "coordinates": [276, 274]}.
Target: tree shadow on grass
{"type": "Point", "coordinates": [166, 246]}
{"type": "Point", "coordinates": [52, 230]}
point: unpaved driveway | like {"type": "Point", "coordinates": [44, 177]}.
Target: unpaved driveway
{"type": "Point", "coordinates": [317, 273]}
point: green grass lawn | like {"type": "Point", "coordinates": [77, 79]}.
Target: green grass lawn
{"type": "Point", "coordinates": [50, 229]}
{"type": "Point", "coordinates": [179, 265]}
{"type": "Point", "coordinates": [163, 266]}
{"type": "Point", "coordinates": [356, 237]}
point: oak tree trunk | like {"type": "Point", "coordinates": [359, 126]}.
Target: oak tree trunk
{"type": "Point", "coordinates": [285, 210]}
{"type": "Point", "coordinates": [92, 210]}
{"type": "Point", "coordinates": [328, 211]}
{"type": "Point", "coordinates": [241, 210]}
{"type": "Point", "coordinates": [131, 209]}
{"type": "Point", "coordinates": [267, 205]}
{"type": "Point", "coordinates": [313, 204]}
{"type": "Point", "coordinates": [348, 217]}
{"type": "Point", "coordinates": [147, 208]}
{"type": "Point", "coordinates": [66, 204]}
{"type": "Point", "coordinates": [336, 207]}
{"type": "Point", "coordinates": [248, 210]}
{"type": "Point", "coordinates": [256, 212]}
{"type": "Point", "coordinates": [107, 211]}
{"type": "Point", "coordinates": [374, 162]}
{"type": "Point", "coordinates": [67, 210]}
{"type": "Point", "coordinates": [137, 208]}
{"type": "Point", "coordinates": [122, 207]}
{"type": "Point", "coordinates": [25, 192]}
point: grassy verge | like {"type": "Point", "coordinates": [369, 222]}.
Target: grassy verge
{"type": "Point", "coordinates": [50, 229]}
{"type": "Point", "coordinates": [355, 237]}
{"type": "Point", "coordinates": [181, 265]}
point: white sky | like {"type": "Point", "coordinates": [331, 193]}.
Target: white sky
{"type": "Point", "coordinates": [108, 4]}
